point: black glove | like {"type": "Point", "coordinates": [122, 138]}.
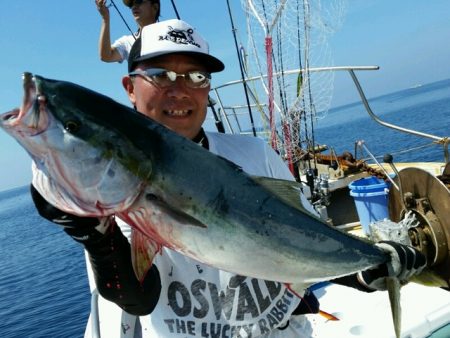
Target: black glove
{"type": "Point", "coordinates": [84, 230]}
{"type": "Point", "coordinates": [405, 262]}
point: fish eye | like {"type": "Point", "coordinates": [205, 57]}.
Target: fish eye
{"type": "Point", "coordinates": [71, 126]}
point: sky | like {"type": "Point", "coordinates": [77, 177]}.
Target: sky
{"type": "Point", "coordinates": [408, 40]}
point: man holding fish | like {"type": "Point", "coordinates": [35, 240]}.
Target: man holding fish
{"type": "Point", "coordinates": [178, 296]}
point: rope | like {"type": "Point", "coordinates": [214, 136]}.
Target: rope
{"type": "Point", "coordinates": [403, 151]}
{"type": "Point", "coordinates": [126, 24]}
{"type": "Point", "coordinates": [445, 141]}
{"type": "Point", "coordinates": [175, 9]}
{"type": "Point", "coordinates": [123, 19]}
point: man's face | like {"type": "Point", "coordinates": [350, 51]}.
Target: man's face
{"type": "Point", "coordinates": [144, 12]}
{"type": "Point", "coordinates": [178, 107]}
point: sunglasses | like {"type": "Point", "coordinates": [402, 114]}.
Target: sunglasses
{"type": "Point", "coordinates": [139, 2]}
{"type": "Point", "coordinates": [164, 78]}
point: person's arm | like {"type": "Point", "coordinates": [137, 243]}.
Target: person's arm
{"type": "Point", "coordinates": [110, 256]}
{"type": "Point", "coordinates": [107, 52]}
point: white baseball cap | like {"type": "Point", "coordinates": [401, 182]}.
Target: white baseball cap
{"type": "Point", "coordinates": [172, 37]}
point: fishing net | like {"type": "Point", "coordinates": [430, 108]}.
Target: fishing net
{"type": "Point", "coordinates": [285, 36]}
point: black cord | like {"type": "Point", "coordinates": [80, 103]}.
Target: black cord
{"type": "Point", "coordinates": [242, 69]}
{"type": "Point", "coordinates": [123, 19]}
{"type": "Point", "coordinates": [175, 9]}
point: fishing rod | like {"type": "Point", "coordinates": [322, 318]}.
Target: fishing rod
{"type": "Point", "coordinates": [125, 22]}
{"type": "Point", "coordinates": [123, 19]}
{"type": "Point", "coordinates": [219, 125]}
{"type": "Point", "coordinates": [311, 143]}
{"type": "Point", "coordinates": [211, 103]}
{"type": "Point", "coordinates": [241, 69]}
{"type": "Point", "coordinates": [175, 9]}
{"type": "Point", "coordinates": [300, 82]}
{"type": "Point", "coordinates": [218, 122]}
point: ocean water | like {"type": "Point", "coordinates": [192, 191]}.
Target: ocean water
{"type": "Point", "coordinates": [43, 283]}
{"type": "Point", "coordinates": [425, 109]}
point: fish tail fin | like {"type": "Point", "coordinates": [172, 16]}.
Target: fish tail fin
{"type": "Point", "coordinates": [393, 287]}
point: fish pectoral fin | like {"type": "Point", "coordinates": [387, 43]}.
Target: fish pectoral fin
{"type": "Point", "coordinates": [143, 250]}
{"type": "Point", "coordinates": [176, 216]}
{"type": "Point", "coordinates": [288, 191]}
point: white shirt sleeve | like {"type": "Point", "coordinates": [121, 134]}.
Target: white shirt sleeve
{"type": "Point", "coordinates": [123, 46]}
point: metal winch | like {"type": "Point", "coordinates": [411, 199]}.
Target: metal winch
{"type": "Point", "coordinates": [428, 198]}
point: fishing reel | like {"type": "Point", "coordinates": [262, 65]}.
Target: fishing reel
{"type": "Point", "coordinates": [428, 198]}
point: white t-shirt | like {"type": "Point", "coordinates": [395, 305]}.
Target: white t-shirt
{"type": "Point", "coordinates": [197, 300]}
{"type": "Point", "coordinates": [123, 45]}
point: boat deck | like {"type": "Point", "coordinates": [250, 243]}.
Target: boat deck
{"type": "Point", "coordinates": [368, 315]}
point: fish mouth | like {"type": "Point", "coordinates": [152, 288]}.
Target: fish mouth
{"type": "Point", "coordinates": [31, 118]}
{"type": "Point", "coordinates": [10, 116]}
{"type": "Point", "coordinates": [29, 94]}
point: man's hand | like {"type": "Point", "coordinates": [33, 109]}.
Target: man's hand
{"type": "Point", "coordinates": [81, 229]}
{"type": "Point", "coordinates": [102, 8]}
{"type": "Point", "coordinates": [405, 262]}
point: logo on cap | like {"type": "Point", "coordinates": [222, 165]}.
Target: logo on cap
{"type": "Point", "coordinates": [180, 36]}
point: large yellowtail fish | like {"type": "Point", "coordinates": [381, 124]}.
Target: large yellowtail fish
{"type": "Point", "coordinates": [96, 157]}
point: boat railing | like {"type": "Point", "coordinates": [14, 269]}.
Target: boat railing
{"type": "Point", "coordinates": [229, 114]}
{"type": "Point", "coordinates": [444, 141]}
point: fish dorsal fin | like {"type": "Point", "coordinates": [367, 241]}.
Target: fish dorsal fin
{"type": "Point", "coordinates": [288, 191]}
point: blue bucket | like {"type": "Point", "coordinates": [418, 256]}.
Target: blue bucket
{"type": "Point", "coordinates": [368, 184]}
{"type": "Point", "coordinates": [371, 200]}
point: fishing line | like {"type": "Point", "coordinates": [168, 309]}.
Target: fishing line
{"type": "Point", "coordinates": [300, 83]}
{"type": "Point", "coordinates": [286, 128]}
{"type": "Point", "coordinates": [269, 65]}
{"type": "Point", "coordinates": [278, 65]}
{"type": "Point", "coordinates": [265, 16]}
{"type": "Point", "coordinates": [308, 144]}
{"type": "Point", "coordinates": [280, 70]}
{"type": "Point", "coordinates": [306, 21]}
{"type": "Point", "coordinates": [298, 30]}
{"type": "Point", "coordinates": [175, 9]}
{"type": "Point", "coordinates": [244, 82]}
{"type": "Point", "coordinates": [219, 124]}
{"type": "Point", "coordinates": [123, 19]}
